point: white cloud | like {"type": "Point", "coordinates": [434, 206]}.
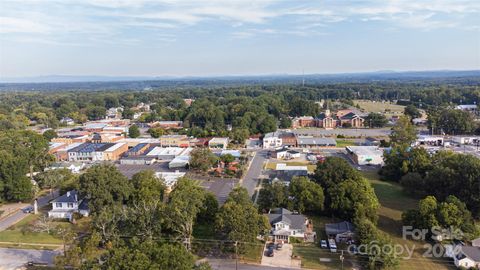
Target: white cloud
{"type": "Point", "coordinates": [111, 18]}
{"type": "Point", "coordinates": [19, 25]}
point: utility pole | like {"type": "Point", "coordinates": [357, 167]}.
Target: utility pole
{"type": "Point", "coordinates": [342, 258]}
{"type": "Point", "coordinates": [236, 255]}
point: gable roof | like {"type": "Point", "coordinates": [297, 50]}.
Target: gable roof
{"type": "Point", "coordinates": [476, 242]}
{"type": "Point", "coordinates": [295, 221]}
{"type": "Point", "coordinates": [349, 115]}
{"type": "Point", "coordinates": [471, 252]}
{"type": "Point", "coordinates": [69, 197]}
{"type": "Point", "coordinates": [338, 228]}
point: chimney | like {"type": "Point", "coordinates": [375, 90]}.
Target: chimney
{"type": "Point", "coordinates": [76, 198]}
{"type": "Point", "coordinates": [327, 112]}
{"type": "Point", "coordinates": [68, 193]}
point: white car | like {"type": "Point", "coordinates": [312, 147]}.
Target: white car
{"type": "Point", "coordinates": [323, 244]}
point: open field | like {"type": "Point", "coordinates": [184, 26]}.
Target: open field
{"type": "Point", "coordinates": [393, 202]}
{"type": "Point", "coordinates": [379, 107]}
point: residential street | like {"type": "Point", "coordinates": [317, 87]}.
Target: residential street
{"type": "Point", "coordinates": [223, 264]}
{"type": "Point", "coordinates": [19, 215]}
{"type": "Point", "coordinates": [251, 177]}
{"type": "Point", "coordinates": [15, 258]}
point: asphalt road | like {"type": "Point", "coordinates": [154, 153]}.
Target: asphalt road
{"type": "Point", "coordinates": [251, 177]}
{"type": "Point", "coordinates": [221, 264]}
{"type": "Point", "coordinates": [15, 258]}
{"type": "Point", "coordinates": [19, 215]}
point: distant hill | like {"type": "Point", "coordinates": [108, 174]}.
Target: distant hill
{"type": "Point", "coordinates": [60, 82]}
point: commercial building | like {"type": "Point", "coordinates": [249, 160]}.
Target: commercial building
{"type": "Point", "coordinates": [272, 140]}
{"type": "Point", "coordinates": [174, 141]}
{"type": "Point", "coordinates": [365, 155]}
{"type": "Point", "coordinates": [315, 142]}
{"type": "Point", "coordinates": [218, 142]}
{"type": "Point", "coordinates": [168, 153]}
{"type": "Point", "coordinates": [97, 151]}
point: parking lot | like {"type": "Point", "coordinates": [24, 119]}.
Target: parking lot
{"type": "Point", "coordinates": [281, 257]}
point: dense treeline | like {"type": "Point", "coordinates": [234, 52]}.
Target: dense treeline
{"type": "Point", "coordinates": [141, 226]}
{"type": "Point", "coordinates": [248, 109]}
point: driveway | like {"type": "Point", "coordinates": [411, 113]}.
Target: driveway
{"type": "Point", "coordinates": [16, 258]}
{"type": "Point", "coordinates": [281, 258]}
{"type": "Point", "coordinates": [19, 215]}
{"type": "Point", "coordinates": [250, 180]}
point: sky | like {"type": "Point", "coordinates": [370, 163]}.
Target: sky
{"type": "Point", "coordinates": [228, 37]}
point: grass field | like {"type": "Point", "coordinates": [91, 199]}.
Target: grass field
{"type": "Point", "coordinates": [344, 143]}
{"type": "Point", "coordinates": [313, 256]}
{"type": "Point", "coordinates": [379, 107]}
{"type": "Point", "coordinates": [273, 165]}
{"type": "Point", "coordinates": [393, 202]}
{"type": "Point", "coordinates": [21, 231]}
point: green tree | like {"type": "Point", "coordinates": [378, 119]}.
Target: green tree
{"type": "Point", "coordinates": [185, 203]}
{"type": "Point", "coordinates": [412, 111]}
{"type": "Point", "coordinates": [209, 209]}
{"type": "Point", "coordinates": [375, 242]}
{"type": "Point", "coordinates": [145, 212]}
{"type": "Point", "coordinates": [50, 134]}
{"type": "Point", "coordinates": [133, 131]}
{"type": "Point", "coordinates": [456, 122]}
{"type": "Point", "coordinates": [238, 219]}
{"type": "Point", "coordinates": [227, 158]}
{"type": "Point", "coordinates": [307, 195]}
{"type": "Point", "coordinates": [202, 159]}
{"type": "Point", "coordinates": [403, 132]}
{"type": "Point", "coordinates": [148, 255]}
{"type": "Point", "coordinates": [156, 132]}
{"type": "Point", "coordinates": [95, 112]}
{"type": "Point", "coordinates": [376, 120]}
{"type": "Point", "coordinates": [272, 196]}
{"type": "Point", "coordinates": [105, 186]}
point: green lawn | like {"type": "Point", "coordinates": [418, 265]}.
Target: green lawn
{"type": "Point", "coordinates": [21, 232]}
{"type": "Point", "coordinates": [393, 202]}
{"type": "Point", "coordinates": [344, 143]}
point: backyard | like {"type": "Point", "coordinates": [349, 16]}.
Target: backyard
{"type": "Point", "coordinates": [393, 202]}
{"type": "Point", "coordinates": [21, 234]}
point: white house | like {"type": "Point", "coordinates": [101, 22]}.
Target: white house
{"type": "Point", "coordinates": [272, 140]}
{"type": "Point", "coordinates": [67, 204]}
{"type": "Point", "coordinates": [468, 257]}
{"type": "Point", "coordinates": [285, 224]}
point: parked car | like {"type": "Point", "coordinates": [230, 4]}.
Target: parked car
{"type": "Point", "coordinates": [323, 244]}
{"type": "Point", "coordinates": [270, 245]}
{"type": "Point", "coordinates": [270, 251]}
{"type": "Point", "coordinates": [279, 246]}
{"type": "Point", "coordinates": [28, 209]}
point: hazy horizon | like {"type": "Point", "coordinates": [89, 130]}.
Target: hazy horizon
{"type": "Point", "coordinates": [138, 38]}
